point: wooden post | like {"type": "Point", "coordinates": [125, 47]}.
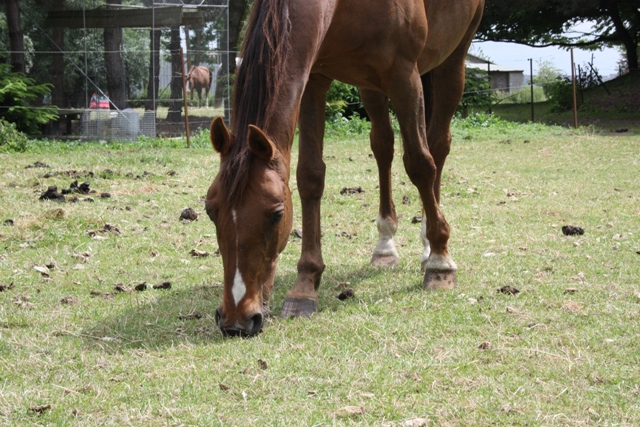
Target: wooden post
{"type": "Point", "coordinates": [184, 98]}
{"type": "Point", "coordinates": [490, 88]}
{"type": "Point", "coordinates": [531, 84]}
{"type": "Point", "coordinates": [575, 100]}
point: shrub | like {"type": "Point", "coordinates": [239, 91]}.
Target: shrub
{"type": "Point", "coordinates": [477, 91]}
{"type": "Point", "coordinates": [343, 100]}
{"type": "Point", "coordinates": [15, 91]}
{"type": "Point", "coordinates": [11, 139]}
{"type": "Point", "coordinates": [560, 95]}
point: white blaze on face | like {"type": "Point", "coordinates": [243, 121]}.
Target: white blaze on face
{"type": "Point", "coordinates": [239, 289]}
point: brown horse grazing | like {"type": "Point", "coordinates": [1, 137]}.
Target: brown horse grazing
{"type": "Point", "coordinates": [199, 78]}
{"type": "Point", "coordinates": [409, 52]}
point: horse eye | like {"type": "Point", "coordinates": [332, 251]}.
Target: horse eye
{"type": "Point", "coordinates": [276, 217]}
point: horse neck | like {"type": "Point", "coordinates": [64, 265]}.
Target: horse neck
{"type": "Point", "coordinates": [283, 70]}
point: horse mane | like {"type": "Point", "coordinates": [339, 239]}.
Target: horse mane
{"type": "Point", "coordinates": [259, 78]}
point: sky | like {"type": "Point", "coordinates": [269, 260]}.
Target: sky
{"type": "Point", "coordinates": [517, 56]}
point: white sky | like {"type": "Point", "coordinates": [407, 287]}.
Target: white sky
{"type": "Point", "coordinates": [517, 56]}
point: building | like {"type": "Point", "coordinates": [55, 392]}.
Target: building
{"type": "Point", "coordinates": [502, 78]}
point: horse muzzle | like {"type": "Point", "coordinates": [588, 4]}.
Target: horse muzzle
{"type": "Point", "coordinates": [250, 326]}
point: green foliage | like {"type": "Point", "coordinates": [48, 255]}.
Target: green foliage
{"type": "Point", "coordinates": [544, 22]}
{"type": "Point", "coordinates": [547, 76]}
{"type": "Point", "coordinates": [343, 127]}
{"type": "Point", "coordinates": [15, 91]}
{"type": "Point", "coordinates": [521, 96]}
{"type": "Point", "coordinates": [343, 100]}
{"type": "Point", "coordinates": [11, 139]}
{"type": "Point", "coordinates": [477, 91]}
{"type": "Point", "coordinates": [479, 120]}
{"type": "Point", "coordinates": [560, 95]}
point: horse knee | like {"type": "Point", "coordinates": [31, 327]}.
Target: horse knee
{"type": "Point", "coordinates": [311, 180]}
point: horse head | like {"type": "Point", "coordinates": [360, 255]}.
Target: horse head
{"type": "Point", "coordinates": [249, 202]}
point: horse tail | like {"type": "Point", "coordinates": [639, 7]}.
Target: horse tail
{"type": "Point", "coordinates": [427, 89]}
{"type": "Point", "coordinates": [210, 78]}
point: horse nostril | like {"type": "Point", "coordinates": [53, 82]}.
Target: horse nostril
{"type": "Point", "coordinates": [256, 323]}
{"type": "Point", "coordinates": [218, 315]}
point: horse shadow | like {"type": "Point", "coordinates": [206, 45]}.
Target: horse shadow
{"type": "Point", "coordinates": [155, 319]}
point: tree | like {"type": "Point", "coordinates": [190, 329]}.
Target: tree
{"type": "Point", "coordinates": [543, 23]}
{"type": "Point", "coordinates": [175, 105]}
{"type": "Point", "coordinates": [547, 76]}
{"type": "Point", "coordinates": [477, 91]}
{"type": "Point", "coordinates": [16, 38]}
{"type": "Point", "coordinates": [114, 64]}
{"type": "Point", "coordinates": [16, 90]}
{"type": "Point", "coordinates": [237, 13]}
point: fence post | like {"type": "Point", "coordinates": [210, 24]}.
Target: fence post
{"type": "Point", "coordinates": [575, 100]}
{"type": "Point", "coordinates": [531, 84]}
{"type": "Point", "coordinates": [184, 98]}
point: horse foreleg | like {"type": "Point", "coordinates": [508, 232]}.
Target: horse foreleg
{"type": "Point", "coordinates": [381, 137]}
{"type": "Point", "coordinates": [408, 101]}
{"type": "Point", "coordinates": [302, 299]}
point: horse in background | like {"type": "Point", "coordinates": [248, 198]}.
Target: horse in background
{"type": "Point", "coordinates": [199, 78]}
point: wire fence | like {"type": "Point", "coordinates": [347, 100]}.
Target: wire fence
{"type": "Point", "coordinates": [139, 82]}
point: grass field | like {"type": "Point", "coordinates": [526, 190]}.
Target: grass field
{"type": "Point", "coordinates": [564, 351]}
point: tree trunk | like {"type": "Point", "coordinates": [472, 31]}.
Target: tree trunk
{"type": "Point", "coordinates": [16, 38]}
{"type": "Point", "coordinates": [154, 70]}
{"type": "Point", "coordinates": [175, 105]}
{"type": "Point", "coordinates": [198, 54]}
{"type": "Point", "coordinates": [114, 64]}
{"type": "Point", "coordinates": [57, 61]}
{"type": "Point", "coordinates": [237, 13]}
{"type": "Point", "coordinates": [630, 45]}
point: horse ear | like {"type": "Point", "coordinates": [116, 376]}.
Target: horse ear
{"type": "Point", "coordinates": [260, 144]}
{"type": "Point", "coordinates": [220, 136]}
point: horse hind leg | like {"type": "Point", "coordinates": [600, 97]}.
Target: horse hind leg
{"type": "Point", "coordinates": [376, 103]}
{"type": "Point", "coordinates": [408, 101]}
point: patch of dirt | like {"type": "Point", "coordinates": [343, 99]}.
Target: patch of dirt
{"type": "Point", "coordinates": [570, 230]}
{"type": "Point", "coordinates": [189, 215]}
{"type": "Point", "coordinates": [351, 190]}
{"type": "Point", "coordinates": [193, 315]}
{"type": "Point", "coordinates": [163, 285]}
{"type": "Point", "coordinates": [199, 253]}
{"type": "Point", "coordinates": [141, 287]}
{"type": "Point", "coordinates": [509, 290]}
{"type": "Point", "coordinates": [39, 408]}
{"type": "Point", "coordinates": [71, 174]}
{"type": "Point", "coordinates": [346, 294]}
{"type": "Point", "coordinates": [52, 194]}
{"type": "Point", "coordinates": [485, 345]}
{"type": "Point", "coordinates": [37, 165]}
{"type": "Point", "coordinates": [6, 287]}
{"type": "Point", "coordinates": [75, 188]}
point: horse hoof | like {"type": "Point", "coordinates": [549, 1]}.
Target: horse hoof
{"type": "Point", "coordinates": [299, 307]}
{"type": "Point", "coordinates": [384, 261]}
{"type": "Point", "coordinates": [439, 279]}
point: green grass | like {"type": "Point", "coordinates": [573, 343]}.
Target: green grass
{"type": "Point", "coordinates": [610, 108]}
{"type": "Point", "coordinates": [399, 353]}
